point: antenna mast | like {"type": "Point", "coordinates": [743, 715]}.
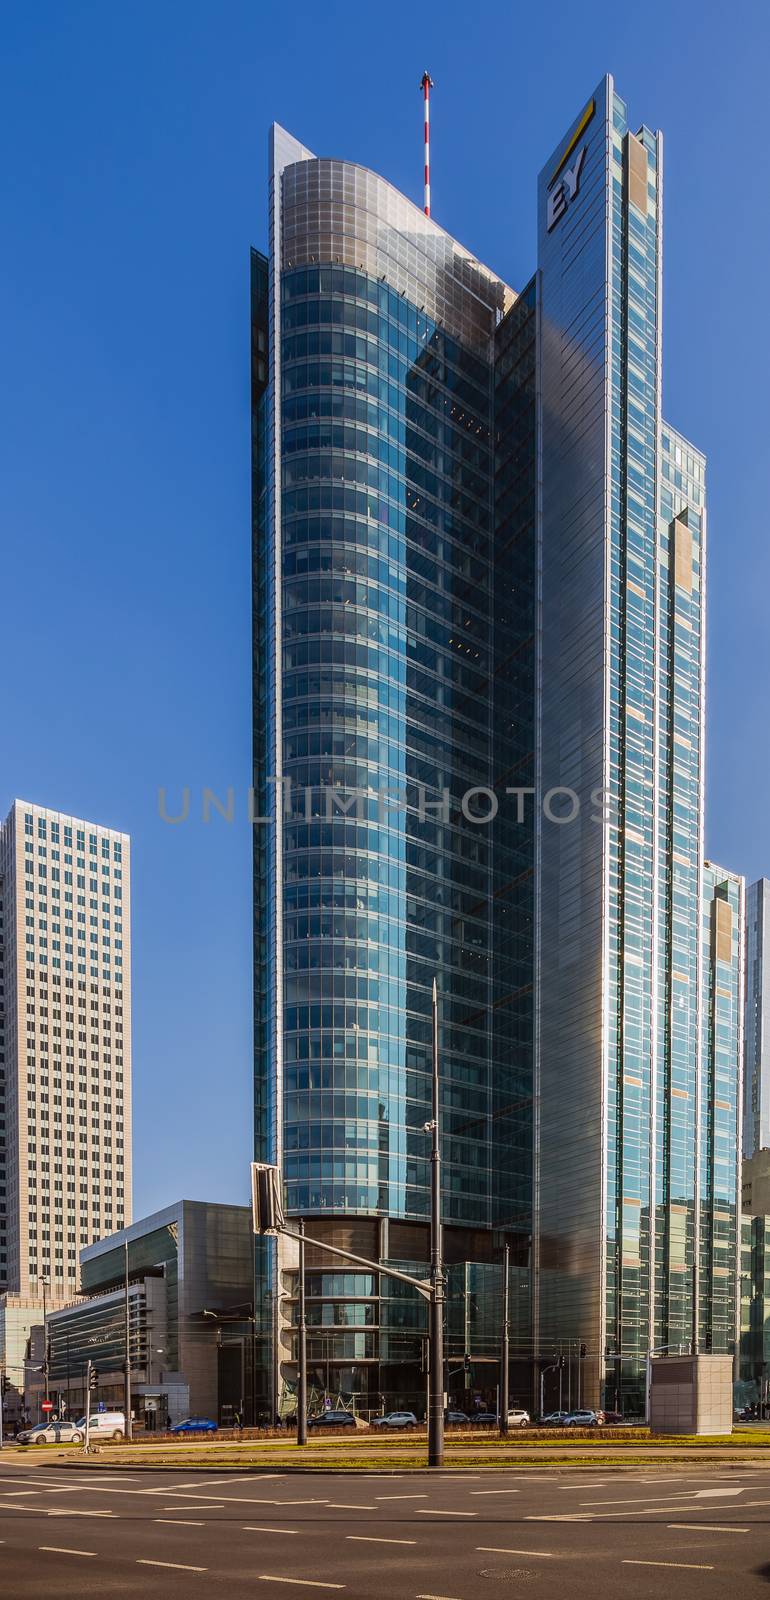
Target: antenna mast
{"type": "Point", "coordinates": [426, 84]}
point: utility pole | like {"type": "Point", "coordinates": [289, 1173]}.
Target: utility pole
{"type": "Point", "coordinates": [505, 1354]}
{"type": "Point", "coordinates": [301, 1343]}
{"type": "Point", "coordinates": [426, 84]}
{"type": "Point", "coordinates": [436, 1311]}
{"type": "Point", "coordinates": [129, 1429]}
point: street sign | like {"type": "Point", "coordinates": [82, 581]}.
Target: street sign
{"type": "Point", "coordinates": [46, 1405]}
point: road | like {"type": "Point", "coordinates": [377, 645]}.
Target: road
{"type": "Point", "coordinates": [74, 1532]}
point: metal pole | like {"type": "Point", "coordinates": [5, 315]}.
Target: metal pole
{"type": "Point", "coordinates": [561, 1380]}
{"type": "Point", "coordinates": [129, 1429]}
{"type": "Point", "coordinates": [542, 1391]}
{"type": "Point", "coordinates": [436, 1416]}
{"type": "Point", "coordinates": [505, 1354]}
{"type": "Point", "coordinates": [302, 1345]}
{"type": "Point", "coordinates": [569, 1376]}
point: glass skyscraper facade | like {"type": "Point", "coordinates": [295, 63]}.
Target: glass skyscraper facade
{"type": "Point", "coordinates": [479, 563]}
{"type": "Point", "coordinates": [756, 1100]}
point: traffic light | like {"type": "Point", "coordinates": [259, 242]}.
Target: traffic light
{"type": "Point", "coordinates": [583, 1352]}
{"type": "Point", "coordinates": [93, 1379]}
{"type": "Point", "coordinates": [562, 1363]}
{"type": "Point", "coordinates": [266, 1203]}
{"type": "Point", "coordinates": [466, 1363]}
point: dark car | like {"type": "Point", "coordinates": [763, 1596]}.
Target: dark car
{"type": "Point", "coordinates": [582, 1419]}
{"type": "Point", "coordinates": [194, 1425]}
{"type": "Point", "coordinates": [610, 1418]}
{"type": "Point", "coordinates": [456, 1417]}
{"type": "Point", "coordinates": [332, 1419]}
{"type": "Point", "coordinates": [484, 1419]}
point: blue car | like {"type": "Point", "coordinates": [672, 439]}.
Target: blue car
{"type": "Point", "coordinates": [194, 1425]}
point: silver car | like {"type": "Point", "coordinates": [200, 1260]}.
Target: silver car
{"type": "Point", "coordinates": [51, 1433]}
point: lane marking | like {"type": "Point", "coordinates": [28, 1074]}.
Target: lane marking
{"type": "Point", "coordinates": [334, 1505]}
{"type": "Point", "coordinates": [401, 1497]}
{"type": "Point", "coordinates": [61, 1550]}
{"type": "Point", "coordinates": [213, 1483]}
{"type": "Point", "coordinates": [373, 1538]}
{"type": "Point", "coordinates": [707, 1527]}
{"type": "Point", "coordinates": [311, 1583]}
{"type": "Point", "coordinates": [495, 1491]}
{"type": "Point", "coordinates": [431, 1511]}
{"type": "Point", "coordinates": [691, 1566]}
{"type": "Point", "coordinates": [178, 1522]}
{"type": "Point", "coordinates": [248, 1528]}
{"type": "Point", "coordinates": [505, 1550]}
{"type": "Point", "coordinates": [703, 1494]}
{"type": "Point", "coordinates": [178, 1566]}
{"type": "Point", "coordinates": [435, 1597]}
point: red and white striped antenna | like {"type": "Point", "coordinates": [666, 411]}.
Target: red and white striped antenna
{"type": "Point", "coordinates": [426, 84]}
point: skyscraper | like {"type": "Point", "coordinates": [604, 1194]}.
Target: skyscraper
{"type": "Point", "coordinates": [479, 565]}
{"type": "Point", "coordinates": [756, 1103]}
{"type": "Point", "coordinates": [65, 1045]}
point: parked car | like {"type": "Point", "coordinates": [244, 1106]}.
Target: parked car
{"type": "Point", "coordinates": [395, 1419]}
{"type": "Point", "coordinates": [518, 1418]}
{"type": "Point", "coordinates": [553, 1419]}
{"type": "Point", "coordinates": [332, 1419]}
{"type": "Point", "coordinates": [50, 1433]}
{"type": "Point", "coordinates": [103, 1425]}
{"type": "Point", "coordinates": [194, 1425]}
{"type": "Point", "coordinates": [484, 1419]}
{"type": "Point", "coordinates": [582, 1419]}
{"type": "Point", "coordinates": [455, 1417]}
{"type": "Point", "coordinates": [610, 1418]}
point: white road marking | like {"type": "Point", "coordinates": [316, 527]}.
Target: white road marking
{"type": "Point", "coordinates": [505, 1550]}
{"type": "Point", "coordinates": [707, 1527]}
{"type": "Point", "coordinates": [311, 1583]}
{"type": "Point", "coordinates": [334, 1505]}
{"type": "Point", "coordinates": [495, 1492]}
{"type": "Point", "coordinates": [212, 1483]}
{"type": "Point", "coordinates": [702, 1494]}
{"type": "Point", "coordinates": [247, 1528]}
{"type": "Point", "coordinates": [61, 1550]}
{"type": "Point", "coordinates": [178, 1566]}
{"type": "Point", "coordinates": [431, 1511]}
{"type": "Point", "coordinates": [401, 1497]}
{"type": "Point", "coordinates": [435, 1597]}
{"type": "Point", "coordinates": [374, 1538]}
{"type": "Point", "coordinates": [692, 1566]}
{"type": "Point", "coordinates": [178, 1522]}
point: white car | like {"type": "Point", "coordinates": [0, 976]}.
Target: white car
{"type": "Point", "coordinates": [50, 1433]}
{"type": "Point", "coordinates": [518, 1418]}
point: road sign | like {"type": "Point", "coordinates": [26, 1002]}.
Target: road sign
{"type": "Point", "coordinates": [46, 1405]}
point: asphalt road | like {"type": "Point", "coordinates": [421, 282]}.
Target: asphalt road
{"type": "Point", "coordinates": [418, 1536]}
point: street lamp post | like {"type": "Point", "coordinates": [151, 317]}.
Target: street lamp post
{"type": "Point", "coordinates": [129, 1426]}
{"type": "Point", "coordinates": [505, 1357]}
{"type": "Point", "coordinates": [301, 1343]}
{"type": "Point", "coordinates": [436, 1310]}
{"type": "Point", "coordinates": [45, 1283]}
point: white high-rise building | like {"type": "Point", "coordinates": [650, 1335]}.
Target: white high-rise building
{"type": "Point", "coordinates": [65, 1046]}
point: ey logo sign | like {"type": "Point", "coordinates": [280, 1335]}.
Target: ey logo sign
{"type": "Point", "coordinates": [565, 181]}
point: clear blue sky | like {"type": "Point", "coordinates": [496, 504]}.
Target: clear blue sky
{"type": "Point", "coordinates": [133, 182]}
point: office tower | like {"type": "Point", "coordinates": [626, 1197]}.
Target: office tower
{"type": "Point", "coordinates": [479, 565]}
{"type": "Point", "coordinates": [718, 1110]}
{"type": "Point", "coordinates": [383, 608]}
{"type": "Point", "coordinates": [65, 975]}
{"type": "Point", "coordinates": [756, 1103]}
